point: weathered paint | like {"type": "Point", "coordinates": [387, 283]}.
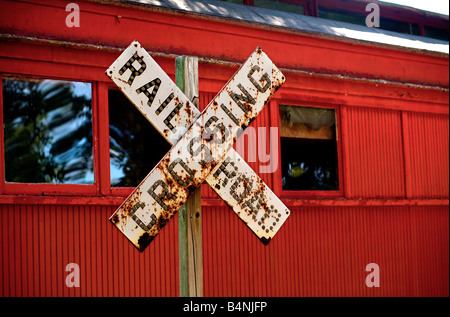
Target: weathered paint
{"type": "Point", "coordinates": [240, 101]}
{"type": "Point", "coordinates": [251, 199]}
{"type": "Point", "coordinates": [256, 196]}
{"type": "Point", "coordinates": [152, 91]}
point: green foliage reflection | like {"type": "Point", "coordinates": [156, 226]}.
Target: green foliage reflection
{"type": "Point", "coordinates": [47, 131]}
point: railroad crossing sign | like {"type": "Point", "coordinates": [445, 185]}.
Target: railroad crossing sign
{"type": "Point", "coordinates": [202, 146]}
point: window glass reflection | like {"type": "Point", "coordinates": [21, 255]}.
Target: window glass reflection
{"type": "Point", "coordinates": [47, 131]}
{"type": "Point", "coordinates": [136, 146]}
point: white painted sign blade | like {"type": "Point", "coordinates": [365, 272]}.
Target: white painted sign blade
{"type": "Point", "coordinates": [152, 71]}
{"type": "Point", "coordinates": [192, 158]}
{"type": "Point", "coordinates": [152, 92]}
{"type": "Point", "coordinates": [249, 197]}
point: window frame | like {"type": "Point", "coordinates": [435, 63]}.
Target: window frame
{"type": "Point", "coordinates": [70, 63]}
{"type": "Point", "coordinates": [277, 175]}
{"type": "Point", "coordinates": [12, 188]}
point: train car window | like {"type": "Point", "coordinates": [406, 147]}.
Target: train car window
{"type": "Point", "coordinates": [234, 1]}
{"type": "Point", "coordinates": [433, 32]}
{"type": "Point", "coordinates": [47, 131]}
{"type": "Point", "coordinates": [294, 6]}
{"type": "Point", "coordinates": [282, 5]}
{"type": "Point", "coordinates": [135, 145]}
{"type": "Point", "coordinates": [360, 19]}
{"type": "Point", "coordinates": [308, 141]}
{"type": "Point", "coordinates": [399, 26]}
{"type": "Point", "coordinates": [342, 15]}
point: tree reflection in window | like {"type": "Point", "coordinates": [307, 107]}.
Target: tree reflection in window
{"type": "Point", "coordinates": [47, 131]}
{"type": "Point", "coordinates": [308, 148]}
{"type": "Point", "coordinates": [135, 145]}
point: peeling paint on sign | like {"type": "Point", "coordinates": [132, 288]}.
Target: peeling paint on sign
{"type": "Point", "coordinates": [202, 150]}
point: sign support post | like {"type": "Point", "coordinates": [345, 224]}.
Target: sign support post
{"type": "Point", "coordinates": [190, 214]}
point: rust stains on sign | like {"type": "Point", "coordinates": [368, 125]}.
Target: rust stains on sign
{"type": "Point", "coordinates": [199, 149]}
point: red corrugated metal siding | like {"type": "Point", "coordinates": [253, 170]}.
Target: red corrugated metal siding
{"type": "Point", "coordinates": [39, 241]}
{"type": "Point", "coordinates": [320, 250]}
{"type": "Point", "coordinates": [323, 251]}
{"type": "Point", "coordinates": [429, 152]}
{"type": "Point", "coordinates": [431, 245]}
{"type": "Point", "coordinates": [375, 153]}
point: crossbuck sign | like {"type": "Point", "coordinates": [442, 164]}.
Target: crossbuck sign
{"type": "Point", "coordinates": [202, 146]}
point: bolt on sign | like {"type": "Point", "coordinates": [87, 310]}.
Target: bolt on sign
{"type": "Point", "coordinates": [202, 146]}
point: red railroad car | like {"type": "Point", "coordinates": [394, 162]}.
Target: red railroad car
{"type": "Point", "coordinates": [360, 149]}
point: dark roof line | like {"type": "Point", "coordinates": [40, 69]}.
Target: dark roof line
{"type": "Point", "coordinates": [297, 22]}
{"type": "Point", "coordinates": [407, 8]}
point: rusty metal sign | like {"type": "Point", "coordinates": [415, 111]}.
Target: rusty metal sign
{"type": "Point", "coordinates": [202, 151]}
{"type": "Point", "coordinates": [152, 92]}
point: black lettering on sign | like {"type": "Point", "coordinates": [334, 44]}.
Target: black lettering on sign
{"type": "Point", "coordinates": [208, 133]}
{"type": "Point", "coordinates": [268, 226]}
{"type": "Point", "coordinates": [174, 112]}
{"type": "Point", "coordinates": [254, 203]}
{"type": "Point", "coordinates": [223, 169]}
{"type": "Point", "coordinates": [246, 98]}
{"type": "Point", "coordinates": [179, 180]}
{"type": "Point", "coordinates": [265, 78]}
{"type": "Point", "coordinates": [139, 221]}
{"type": "Point", "coordinates": [247, 184]}
{"type": "Point", "coordinates": [134, 72]}
{"type": "Point", "coordinates": [165, 194]}
{"type": "Point", "coordinates": [155, 83]}
{"type": "Point", "coordinates": [229, 114]}
{"type": "Point", "coordinates": [208, 157]}
{"type": "Point", "coordinates": [164, 104]}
